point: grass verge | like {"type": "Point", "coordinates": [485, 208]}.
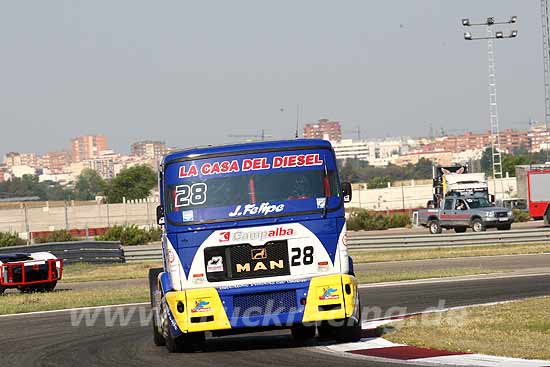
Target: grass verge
{"type": "Point", "coordinates": [379, 276]}
{"type": "Point", "coordinates": [84, 272]}
{"type": "Point", "coordinates": [447, 252]}
{"type": "Point", "coordinates": [19, 303]}
{"type": "Point", "coordinates": [517, 329]}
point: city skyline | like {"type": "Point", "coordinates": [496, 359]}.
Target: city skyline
{"type": "Point", "coordinates": [70, 69]}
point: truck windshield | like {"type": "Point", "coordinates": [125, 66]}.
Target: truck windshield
{"type": "Point", "coordinates": [231, 194]}
{"type": "Point", "coordinates": [479, 203]}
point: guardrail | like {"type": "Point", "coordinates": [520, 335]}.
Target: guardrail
{"type": "Point", "coordinates": [78, 251]}
{"type": "Point", "coordinates": [368, 242]}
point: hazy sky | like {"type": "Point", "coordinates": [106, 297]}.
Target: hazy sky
{"type": "Point", "coordinates": [195, 72]}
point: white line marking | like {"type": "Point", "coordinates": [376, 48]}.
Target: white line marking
{"type": "Point", "coordinates": [465, 278]}
{"type": "Point", "coordinates": [463, 258]}
{"type": "Point", "coordinates": [482, 360]}
{"type": "Point", "coordinates": [74, 309]}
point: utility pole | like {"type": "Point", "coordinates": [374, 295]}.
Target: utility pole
{"type": "Point", "coordinates": [546, 58]}
{"type": "Point", "coordinates": [493, 106]}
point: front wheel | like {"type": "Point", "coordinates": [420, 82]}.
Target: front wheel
{"type": "Point", "coordinates": [50, 286]}
{"type": "Point", "coordinates": [478, 226]}
{"type": "Point", "coordinates": [435, 227]}
{"type": "Point", "coordinates": [174, 344]}
{"type": "Point", "coordinates": [302, 332]}
{"type": "Point", "coordinates": [154, 292]}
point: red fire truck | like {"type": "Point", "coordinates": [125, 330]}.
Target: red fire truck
{"type": "Point", "coordinates": [534, 187]}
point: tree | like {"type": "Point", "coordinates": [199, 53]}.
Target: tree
{"type": "Point", "coordinates": [132, 183]}
{"type": "Point", "coordinates": [509, 163]}
{"type": "Point", "coordinates": [88, 185]}
{"type": "Point", "coordinates": [487, 161]}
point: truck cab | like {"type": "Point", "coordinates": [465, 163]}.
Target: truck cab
{"type": "Point", "coordinates": [253, 238]}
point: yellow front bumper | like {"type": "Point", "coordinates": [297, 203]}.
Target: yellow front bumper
{"type": "Point", "coordinates": [203, 310]}
{"type": "Point", "coordinates": [330, 297]}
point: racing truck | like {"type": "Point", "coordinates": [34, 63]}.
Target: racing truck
{"type": "Point", "coordinates": [460, 212]}
{"type": "Point", "coordinates": [254, 238]}
{"type": "Point", "coordinates": [534, 189]}
{"type": "Point", "coordinates": [30, 272]}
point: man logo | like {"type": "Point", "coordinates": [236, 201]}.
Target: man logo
{"type": "Point", "coordinates": [259, 253]}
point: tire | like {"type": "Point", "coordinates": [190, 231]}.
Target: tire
{"type": "Point", "coordinates": [325, 330]}
{"type": "Point", "coordinates": [31, 289]}
{"type": "Point", "coordinates": [347, 331]}
{"type": "Point", "coordinates": [174, 345]}
{"type": "Point", "coordinates": [302, 332]}
{"type": "Point", "coordinates": [434, 227]}
{"type": "Point", "coordinates": [478, 226]}
{"type": "Point", "coordinates": [49, 287]}
{"type": "Point", "coordinates": [185, 342]}
{"type": "Point", "coordinates": [2, 289]}
{"type": "Point", "coordinates": [460, 229]}
{"type": "Point", "coordinates": [158, 338]}
{"type": "Point", "coordinates": [505, 227]}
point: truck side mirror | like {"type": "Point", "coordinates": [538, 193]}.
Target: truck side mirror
{"type": "Point", "coordinates": [492, 198]}
{"type": "Point", "coordinates": [160, 215]}
{"type": "Point", "coordinates": [346, 192]}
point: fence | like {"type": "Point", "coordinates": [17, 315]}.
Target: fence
{"type": "Point", "coordinates": [368, 242]}
{"type": "Point", "coordinates": [79, 251]}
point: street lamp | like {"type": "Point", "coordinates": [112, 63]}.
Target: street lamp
{"type": "Point", "coordinates": [493, 110]}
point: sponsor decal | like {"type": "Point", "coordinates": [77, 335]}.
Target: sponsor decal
{"type": "Point", "coordinates": [328, 293]}
{"type": "Point", "coordinates": [225, 236]}
{"type": "Point", "coordinates": [321, 203]}
{"type": "Point", "coordinates": [215, 264]}
{"type": "Point", "coordinates": [255, 235]}
{"type": "Point", "coordinates": [250, 164]}
{"type": "Point", "coordinates": [254, 209]}
{"type": "Point", "coordinates": [187, 215]}
{"type": "Point", "coordinates": [201, 306]}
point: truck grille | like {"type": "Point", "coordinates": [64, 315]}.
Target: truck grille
{"type": "Point", "coordinates": [266, 303]}
{"type": "Point", "coordinates": [247, 262]}
{"type": "Point", "coordinates": [501, 214]}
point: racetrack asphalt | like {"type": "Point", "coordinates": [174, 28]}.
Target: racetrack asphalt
{"type": "Point", "coordinates": [52, 339]}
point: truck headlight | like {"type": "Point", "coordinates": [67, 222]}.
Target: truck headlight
{"type": "Point", "coordinates": [510, 213]}
{"type": "Point", "coordinates": [490, 214]}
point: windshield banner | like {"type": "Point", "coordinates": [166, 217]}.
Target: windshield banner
{"type": "Point", "coordinates": [253, 185]}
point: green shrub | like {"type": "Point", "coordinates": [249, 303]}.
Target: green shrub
{"type": "Point", "coordinates": [10, 239]}
{"type": "Point", "coordinates": [361, 219]}
{"type": "Point", "coordinates": [131, 235]}
{"type": "Point", "coordinates": [61, 235]}
{"type": "Point", "coordinates": [399, 220]}
{"type": "Point", "coordinates": [521, 216]}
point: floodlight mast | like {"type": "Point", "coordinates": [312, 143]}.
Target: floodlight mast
{"type": "Point", "coordinates": [493, 107]}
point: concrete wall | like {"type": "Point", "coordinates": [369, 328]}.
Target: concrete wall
{"type": "Point", "coordinates": [415, 196]}
{"type": "Point", "coordinates": [144, 213]}
{"type": "Point", "coordinates": [87, 216]}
